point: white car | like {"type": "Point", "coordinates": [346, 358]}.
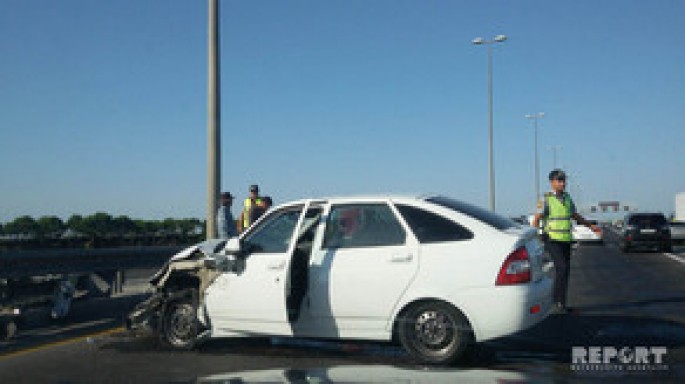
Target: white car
{"type": "Point", "coordinates": [583, 234]}
{"type": "Point", "coordinates": [434, 273]}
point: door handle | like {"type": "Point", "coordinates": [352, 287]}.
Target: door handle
{"type": "Point", "coordinates": [277, 266]}
{"type": "Point", "coordinates": [401, 258]}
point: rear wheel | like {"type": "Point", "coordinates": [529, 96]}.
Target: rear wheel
{"type": "Point", "coordinates": [178, 323]}
{"type": "Point", "coordinates": [8, 330]}
{"type": "Point", "coordinates": [434, 333]}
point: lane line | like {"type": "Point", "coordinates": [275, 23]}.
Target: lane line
{"type": "Point", "coordinates": [674, 257]}
{"type": "Point", "coordinates": [26, 351]}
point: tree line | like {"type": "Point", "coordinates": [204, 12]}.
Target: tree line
{"type": "Point", "coordinates": [99, 229]}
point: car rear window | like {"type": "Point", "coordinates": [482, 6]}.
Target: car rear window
{"type": "Point", "coordinates": [647, 220]}
{"type": "Point", "coordinates": [431, 228]}
{"type": "Point", "coordinates": [490, 218]}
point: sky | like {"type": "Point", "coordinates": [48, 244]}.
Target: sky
{"type": "Point", "coordinates": [103, 104]}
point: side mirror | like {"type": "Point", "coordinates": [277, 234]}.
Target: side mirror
{"type": "Point", "coordinates": [233, 246]}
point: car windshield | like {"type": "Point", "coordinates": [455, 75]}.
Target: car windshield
{"type": "Point", "coordinates": [490, 218]}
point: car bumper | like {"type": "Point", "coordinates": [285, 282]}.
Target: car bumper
{"type": "Point", "coordinates": [511, 309]}
{"type": "Point", "coordinates": [647, 242]}
{"type": "Point", "coordinates": [589, 239]}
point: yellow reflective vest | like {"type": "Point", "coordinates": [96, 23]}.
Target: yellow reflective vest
{"type": "Point", "coordinates": [558, 223]}
{"type": "Point", "coordinates": [248, 206]}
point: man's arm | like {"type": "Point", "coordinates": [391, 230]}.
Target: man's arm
{"type": "Point", "coordinates": [240, 222]}
{"type": "Point", "coordinates": [581, 220]}
{"type": "Point", "coordinates": [536, 220]}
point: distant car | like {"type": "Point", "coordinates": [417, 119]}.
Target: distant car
{"type": "Point", "coordinates": [677, 232]}
{"type": "Point", "coordinates": [433, 273]}
{"type": "Point", "coordinates": [583, 234]}
{"type": "Point", "coordinates": [645, 230]}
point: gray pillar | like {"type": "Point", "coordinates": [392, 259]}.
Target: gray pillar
{"type": "Point", "coordinates": [213, 121]}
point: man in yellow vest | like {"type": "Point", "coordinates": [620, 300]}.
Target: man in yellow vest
{"type": "Point", "coordinates": [557, 212]}
{"type": "Point", "coordinates": [246, 218]}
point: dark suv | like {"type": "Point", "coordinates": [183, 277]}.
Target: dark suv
{"type": "Point", "coordinates": [646, 229]}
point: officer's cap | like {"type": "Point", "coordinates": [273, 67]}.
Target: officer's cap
{"type": "Point", "coordinates": [557, 174]}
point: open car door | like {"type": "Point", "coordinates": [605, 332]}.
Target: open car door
{"type": "Point", "coordinates": [253, 299]}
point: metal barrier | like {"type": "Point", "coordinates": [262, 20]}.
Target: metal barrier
{"type": "Point", "coordinates": [16, 264]}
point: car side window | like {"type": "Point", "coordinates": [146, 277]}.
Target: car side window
{"type": "Point", "coordinates": [362, 225]}
{"type": "Point", "coordinates": [274, 233]}
{"type": "Point", "coordinates": [432, 228]}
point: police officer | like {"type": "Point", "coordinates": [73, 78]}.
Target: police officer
{"type": "Point", "coordinates": [558, 210]}
{"type": "Point", "coordinates": [246, 217]}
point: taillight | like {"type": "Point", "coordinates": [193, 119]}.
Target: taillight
{"type": "Point", "coordinates": [516, 268]}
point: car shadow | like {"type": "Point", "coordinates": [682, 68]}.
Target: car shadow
{"type": "Point", "coordinates": [553, 338]}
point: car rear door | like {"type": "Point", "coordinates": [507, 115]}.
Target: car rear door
{"type": "Point", "coordinates": [361, 267]}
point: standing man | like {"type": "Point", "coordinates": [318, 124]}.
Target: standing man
{"type": "Point", "coordinates": [557, 213]}
{"type": "Point", "coordinates": [249, 205]}
{"type": "Point", "coordinates": [257, 211]}
{"type": "Point", "coordinates": [226, 225]}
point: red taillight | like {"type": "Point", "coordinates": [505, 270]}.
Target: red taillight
{"type": "Point", "coordinates": [516, 268]}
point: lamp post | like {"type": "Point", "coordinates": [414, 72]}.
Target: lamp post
{"type": "Point", "coordinates": [213, 120]}
{"type": "Point", "coordinates": [489, 43]}
{"type": "Point", "coordinates": [535, 118]}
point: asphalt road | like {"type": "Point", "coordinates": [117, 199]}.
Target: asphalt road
{"type": "Point", "coordinates": [621, 300]}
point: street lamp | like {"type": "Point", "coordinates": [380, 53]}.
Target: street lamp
{"type": "Point", "coordinates": [213, 119]}
{"type": "Point", "coordinates": [489, 43]}
{"type": "Point", "coordinates": [535, 118]}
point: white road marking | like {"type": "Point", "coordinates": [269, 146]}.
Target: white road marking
{"type": "Point", "coordinates": [675, 257]}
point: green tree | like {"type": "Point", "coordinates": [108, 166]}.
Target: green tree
{"type": "Point", "coordinates": [123, 225]}
{"type": "Point", "coordinates": [98, 225]}
{"type": "Point", "coordinates": [145, 227]}
{"type": "Point", "coordinates": [188, 226]}
{"type": "Point", "coordinates": [22, 225]}
{"type": "Point", "coordinates": [50, 226]}
{"type": "Point", "coordinates": [74, 222]}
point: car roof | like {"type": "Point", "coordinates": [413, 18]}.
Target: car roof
{"type": "Point", "coordinates": [358, 199]}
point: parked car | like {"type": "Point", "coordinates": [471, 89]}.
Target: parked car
{"type": "Point", "coordinates": [645, 230]}
{"type": "Point", "coordinates": [677, 232]}
{"type": "Point", "coordinates": [583, 234]}
{"type": "Point", "coordinates": [434, 273]}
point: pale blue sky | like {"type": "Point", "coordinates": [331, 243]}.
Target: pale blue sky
{"type": "Point", "coordinates": [103, 103]}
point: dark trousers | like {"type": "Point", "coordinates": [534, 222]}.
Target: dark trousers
{"type": "Point", "coordinates": [560, 251]}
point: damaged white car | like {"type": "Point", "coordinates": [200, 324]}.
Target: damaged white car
{"type": "Point", "coordinates": [433, 273]}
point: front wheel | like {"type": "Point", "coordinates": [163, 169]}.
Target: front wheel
{"type": "Point", "coordinates": [178, 323]}
{"type": "Point", "coordinates": [434, 333]}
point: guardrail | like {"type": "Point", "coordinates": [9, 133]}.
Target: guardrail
{"type": "Point", "coordinates": [17, 264]}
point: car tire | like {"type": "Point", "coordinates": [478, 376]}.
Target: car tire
{"type": "Point", "coordinates": [435, 333]}
{"type": "Point", "coordinates": [178, 328]}
{"type": "Point", "coordinates": [9, 329]}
